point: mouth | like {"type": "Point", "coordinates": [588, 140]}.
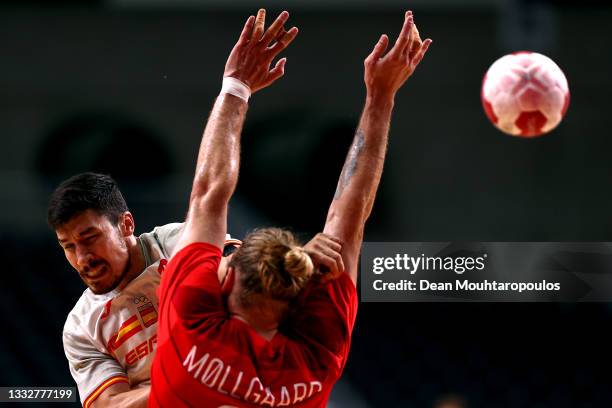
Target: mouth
{"type": "Point", "coordinates": [97, 273]}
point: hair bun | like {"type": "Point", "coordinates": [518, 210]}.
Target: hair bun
{"type": "Point", "coordinates": [271, 262]}
{"type": "Point", "coordinates": [298, 263]}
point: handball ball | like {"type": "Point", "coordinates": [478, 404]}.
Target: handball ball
{"type": "Point", "coordinates": [525, 94]}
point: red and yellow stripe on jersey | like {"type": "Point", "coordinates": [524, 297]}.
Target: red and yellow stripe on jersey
{"type": "Point", "coordinates": [129, 328]}
{"type": "Point", "coordinates": [148, 315]}
{"type": "Point", "coordinates": [100, 389]}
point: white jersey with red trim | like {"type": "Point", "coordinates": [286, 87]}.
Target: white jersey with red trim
{"type": "Point", "coordinates": [111, 337]}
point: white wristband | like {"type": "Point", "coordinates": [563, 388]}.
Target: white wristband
{"type": "Point", "coordinates": [236, 87]}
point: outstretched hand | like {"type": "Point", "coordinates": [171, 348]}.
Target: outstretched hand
{"type": "Point", "coordinates": [385, 74]}
{"type": "Point", "coordinates": [251, 58]}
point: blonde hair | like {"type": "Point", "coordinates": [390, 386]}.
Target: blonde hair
{"type": "Point", "coordinates": [272, 263]}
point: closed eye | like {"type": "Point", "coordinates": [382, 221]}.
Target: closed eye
{"type": "Point", "coordinates": [91, 238]}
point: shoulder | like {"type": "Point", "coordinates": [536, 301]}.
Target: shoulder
{"type": "Point", "coordinates": [164, 234]}
{"type": "Point", "coordinates": [194, 265]}
{"type": "Point", "coordinates": [168, 230]}
{"type": "Point", "coordinates": [342, 286]}
{"type": "Point", "coordinates": [161, 242]}
{"type": "Point", "coordinates": [196, 253]}
{"type": "Point", "coordinates": [325, 312]}
{"type": "Point", "coordinates": [81, 320]}
{"type": "Point", "coordinates": [169, 234]}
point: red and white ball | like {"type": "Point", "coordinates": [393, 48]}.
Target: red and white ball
{"type": "Point", "coordinates": [525, 94]}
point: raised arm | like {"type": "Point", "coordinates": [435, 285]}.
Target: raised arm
{"type": "Point", "coordinates": [248, 69]}
{"type": "Point", "coordinates": [356, 190]}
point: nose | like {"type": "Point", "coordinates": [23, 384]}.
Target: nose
{"type": "Point", "coordinates": [83, 257]}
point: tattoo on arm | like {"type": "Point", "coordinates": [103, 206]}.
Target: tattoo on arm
{"type": "Point", "coordinates": [348, 170]}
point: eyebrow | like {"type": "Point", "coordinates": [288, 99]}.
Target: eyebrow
{"type": "Point", "coordinates": [84, 232]}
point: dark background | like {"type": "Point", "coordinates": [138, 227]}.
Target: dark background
{"type": "Point", "coordinates": [125, 87]}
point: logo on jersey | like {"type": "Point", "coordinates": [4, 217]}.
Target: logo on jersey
{"type": "Point", "coordinates": [141, 351]}
{"type": "Point", "coordinates": [148, 314]}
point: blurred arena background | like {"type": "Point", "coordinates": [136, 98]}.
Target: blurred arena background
{"type": "Point", "coordinates": [125, 86]}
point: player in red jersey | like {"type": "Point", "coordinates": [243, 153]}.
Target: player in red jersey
{"type": "Point", "coordinates": [274, 334]}
{"type": "Point", "coordinates": [110, 336]}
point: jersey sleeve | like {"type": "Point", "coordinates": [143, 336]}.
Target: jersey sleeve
{"type": "Point", "coordinates": [190, 282]}
{"type": "Point", "coordinates": [324, 316]}
{"type": "Point", "coordinates": [167, 237]}
{"type": "Point", "coordinates": [92, 370]}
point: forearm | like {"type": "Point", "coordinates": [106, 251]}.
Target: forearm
{"type": "Point", "coordinates": [219, 154]}
{"type": "Point", "coordinates": [367, 164]}
{"type": "Point", "coordinates": [358, 183]}
{"type": "Point", "coordinates": [127, 398]}
{"type": "Point", "coordinates": [363, 167]}
{"type": "Point", "coordinates": [216, 173]}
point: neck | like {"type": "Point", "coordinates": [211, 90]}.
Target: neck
{"type": "Point", "coordinates": [267, 330]}
{"type": "Point", "coordinates": [136, 262]}
{"type": "Point", "coordinates": [263, 314]}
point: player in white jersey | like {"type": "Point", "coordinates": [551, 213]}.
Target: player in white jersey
{"type": "Point", "coordinates": [109, 338]}
{"type": "Point", "coordinates": [110, 335]}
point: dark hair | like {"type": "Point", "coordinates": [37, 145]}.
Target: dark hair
{"type": "Point", "coordinates": [85, 191]}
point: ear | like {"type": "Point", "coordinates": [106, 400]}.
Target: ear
{"type": "Point", "coordinates": [126, 224]}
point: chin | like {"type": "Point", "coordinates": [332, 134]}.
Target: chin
{"type": "Point", "coordinates": [102, 288]}
{"type": "Point", "coordinates": [99, 290]}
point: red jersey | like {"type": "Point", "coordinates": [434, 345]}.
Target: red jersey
{"type": "Point", "coordinates": [206, 358]}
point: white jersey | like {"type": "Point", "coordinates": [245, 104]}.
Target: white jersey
{"type": "Point", "coordinates": [111, 337]}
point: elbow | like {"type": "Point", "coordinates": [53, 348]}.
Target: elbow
{"type": "Point", "coordinates": [215, 186]}
{"type": "Point", "coordinates": [215, 192]}
{"type": "Point", "coordinates": [345, 224]}
{"type": "Point", "coordinates": [211, 195]}
{"type": "Point", "coordinates": [212, 200]}
{"type": "Point", "coordinates": [355, 209]}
